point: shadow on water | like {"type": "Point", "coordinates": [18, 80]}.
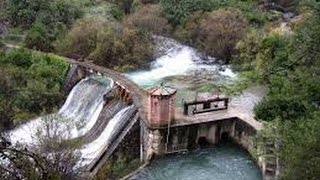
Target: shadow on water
{"type": "Point", "coordinates": [224, 161]}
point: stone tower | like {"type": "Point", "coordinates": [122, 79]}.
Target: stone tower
{"type": "Point", "coordinates": [161, 105]}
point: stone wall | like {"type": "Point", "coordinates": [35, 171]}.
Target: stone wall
{"type": "Point", "coordinates": [158, 142]}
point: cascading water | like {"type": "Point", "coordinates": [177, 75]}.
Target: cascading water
{"type": "Point", "coordinates": [92, 150]}
{"type": "Point", "coordinates": [77, 115]}
{"type": "Point", "coordinates": [176, 59]}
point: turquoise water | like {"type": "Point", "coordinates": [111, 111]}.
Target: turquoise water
{"type": "Point", "coordinates": [225, 162]}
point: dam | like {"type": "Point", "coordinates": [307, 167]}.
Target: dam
{"type": "Point", "coordinates": [119, 114]}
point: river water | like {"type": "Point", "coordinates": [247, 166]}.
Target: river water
{"type": "Point", "coordinates": [185, 69]}
{"type": "Point", "coordinates": [223, 162]}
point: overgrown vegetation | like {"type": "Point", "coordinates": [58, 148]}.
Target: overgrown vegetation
{"type": "Point", "coordinates": [30, 84]}
{"type": "Point", "coordinates": [51, 158]}
{"type": "Point", "coordinates": [289, 64]}
{"type": "Point", "coordinates": [117, 168]}
{"type": "Point", "coordinates": [107, 43]}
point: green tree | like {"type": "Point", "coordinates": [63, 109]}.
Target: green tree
{"type": "Point", "coordinates": [25, 13]}
{"type": "Point", "coordinates": [122, 49]}
{"type": "Point", "coordinates": [215, 32]}
{"type": "Point", "coordinates": [38, 38]}
{"type": "Point", "coordinates": [178, 11]}
{"type": "Point", "coordinates": [81, 40]}
{"type": "Point", "coordinates": [107, 43]}
{"type": "Point", "coordinates": [31, 84]}
{"type": "Point", "coordinates": [149, 18]}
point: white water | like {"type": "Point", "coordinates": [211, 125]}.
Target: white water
{"type": "Point", "coordinates": [95, 148]}
{"type": "Point", "coordinates": [76, 117]}
{"type": "Point", "coordinates": [176, 59]}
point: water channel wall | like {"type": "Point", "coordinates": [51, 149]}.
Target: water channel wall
{"type": "Point", "coordinates": [158, 142]}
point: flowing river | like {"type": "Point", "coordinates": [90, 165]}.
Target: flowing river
{"type": "Point", "coordinates": [184, 68]}
{"type": "Point", "coordinates": [224, 162]}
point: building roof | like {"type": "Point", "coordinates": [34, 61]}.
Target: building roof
{"type": "Point", "coordinates": [162, 91]}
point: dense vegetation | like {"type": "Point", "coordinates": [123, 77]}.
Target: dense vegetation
{"type": "Point", "coordinates": [30, 84]}
{"type": "Point", "coordinates": [289, 64]}
{"type": "Point", "coordinates": [248, 34]}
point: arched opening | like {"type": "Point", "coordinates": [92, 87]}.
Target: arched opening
{"type": "Point", "coordinates": [225, 137]}
{"type": "Point", "coordinates": [203, 142]}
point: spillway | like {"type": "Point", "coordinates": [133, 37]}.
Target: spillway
{"type": "Point", "coordinates": [95, 149]}
{"type": "Point", "coordinates": [76, 117]}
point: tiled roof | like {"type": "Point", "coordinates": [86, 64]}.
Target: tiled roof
{"type": "Point", "coordinates": [162, 91]}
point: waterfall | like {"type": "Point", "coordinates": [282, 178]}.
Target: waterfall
{"type": "Point", "coordinates": [76, 117]}
{"type": "Point", "coordinates": [94, 149]}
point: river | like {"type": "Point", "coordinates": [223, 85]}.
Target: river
{"type": "Point", "coordinates": [223, 162]}
{"type": "Point", "coordinates": [185, 69]}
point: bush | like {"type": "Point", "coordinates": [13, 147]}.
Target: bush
{"type": "Point", "coordinates": [148, 18]}
{"type": "Point", "coordinates": [38, 38]}
{"type": "Point", "coordinates": [1, 43]}
{"type": "Point", "coordinates": [107, 43]}
{"type": "Point", "coordinates": [30, 84]}
{"type": "Point", "coordinates": [106, 10]}
{"type": "Point", "coordinates": [127, 47]}
{"type": "Point", "coordinates": [25, 13]}
{"type": "Point", "coordinates": [178, 11]}
{"type": "Point", "coordinates": [125, 5]}
{"type": "Point", "coordinates": [216, 32]}
{"type": "Point", "coordinates": [81, 40]}
{"type": "Point", "coordinates": [247, 49]}
{"type": "Point", "coordinates": [277, 107]}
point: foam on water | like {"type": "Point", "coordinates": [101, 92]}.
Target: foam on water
{"type": "Point", "coordinates": [175, 59]}
{"type": "Point", "coordinates": [95, 148]}
{"type": "Point", "coordinates": [76, 117]}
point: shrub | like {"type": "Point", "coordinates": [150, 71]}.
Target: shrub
{"type": "Point", "coordinates": [273, 107]}
{"type": "Point", "coordinates": [25, 13]}
{"type": "Point", "coordinates": [125, 5]}
{"type": "Point", "coordinates": [38, 38]}
{"type": "Point", "coordinates": [30, 84]}
{"type": "Point", "coordinates": [107, 43]}
{"type": "Point", "coordinates": [216, 32]}
{"type": "Point", "coordinates": [148, 18]}
{"type": "Point", "coordinates": [81, 39]}
{"type": "Point", "coordinates": [106, 10]}
{"type": "Point", "coordinates": [247, 49]}
{"type": "Point", "coordinates": [122, 47]}
{"type": "Point", "coordinates": [1, 43]}
{"type": "Point", "coordinates": [178, 11]}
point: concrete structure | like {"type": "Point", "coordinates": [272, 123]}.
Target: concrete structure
{"type": "Point", "coordinates": [165, 128]}
{"type": "Point", "coordinates": [161, 108]}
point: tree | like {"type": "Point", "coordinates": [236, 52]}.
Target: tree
{"type": "Point", "coordinates": [108, 44]}
{"type": "Point", "coordinates": [125, 5]}
{"type": "Point", "coordinates": [122, 49]}
{"type": "Point", "coordinates": [216, 32]}
{"type": "Point", "coordinates": [25, 13]}
{"type": "Point", "coordinates": [81, 40]}
{"type": "Point", "coordinates": [30, 84]}
{"type": "Point", "coordinates": [148, 18]}
{"type": "Point", "coordinates": [50, 158]}
{"type": "Point", "coordinates": [38, 38]}
{"type": "Point", "coordinates": [178, 11]}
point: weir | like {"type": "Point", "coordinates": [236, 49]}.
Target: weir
{"type": "Point", "coordinates": [129, 111]}
{"type": "Point", "coordinates": [166, 128]}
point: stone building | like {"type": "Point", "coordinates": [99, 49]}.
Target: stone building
{"type": "Point", "coordinates": [161, 102]}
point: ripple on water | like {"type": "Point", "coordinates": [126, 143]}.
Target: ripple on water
{"type": "Point", "coordinates": [227, 162]}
